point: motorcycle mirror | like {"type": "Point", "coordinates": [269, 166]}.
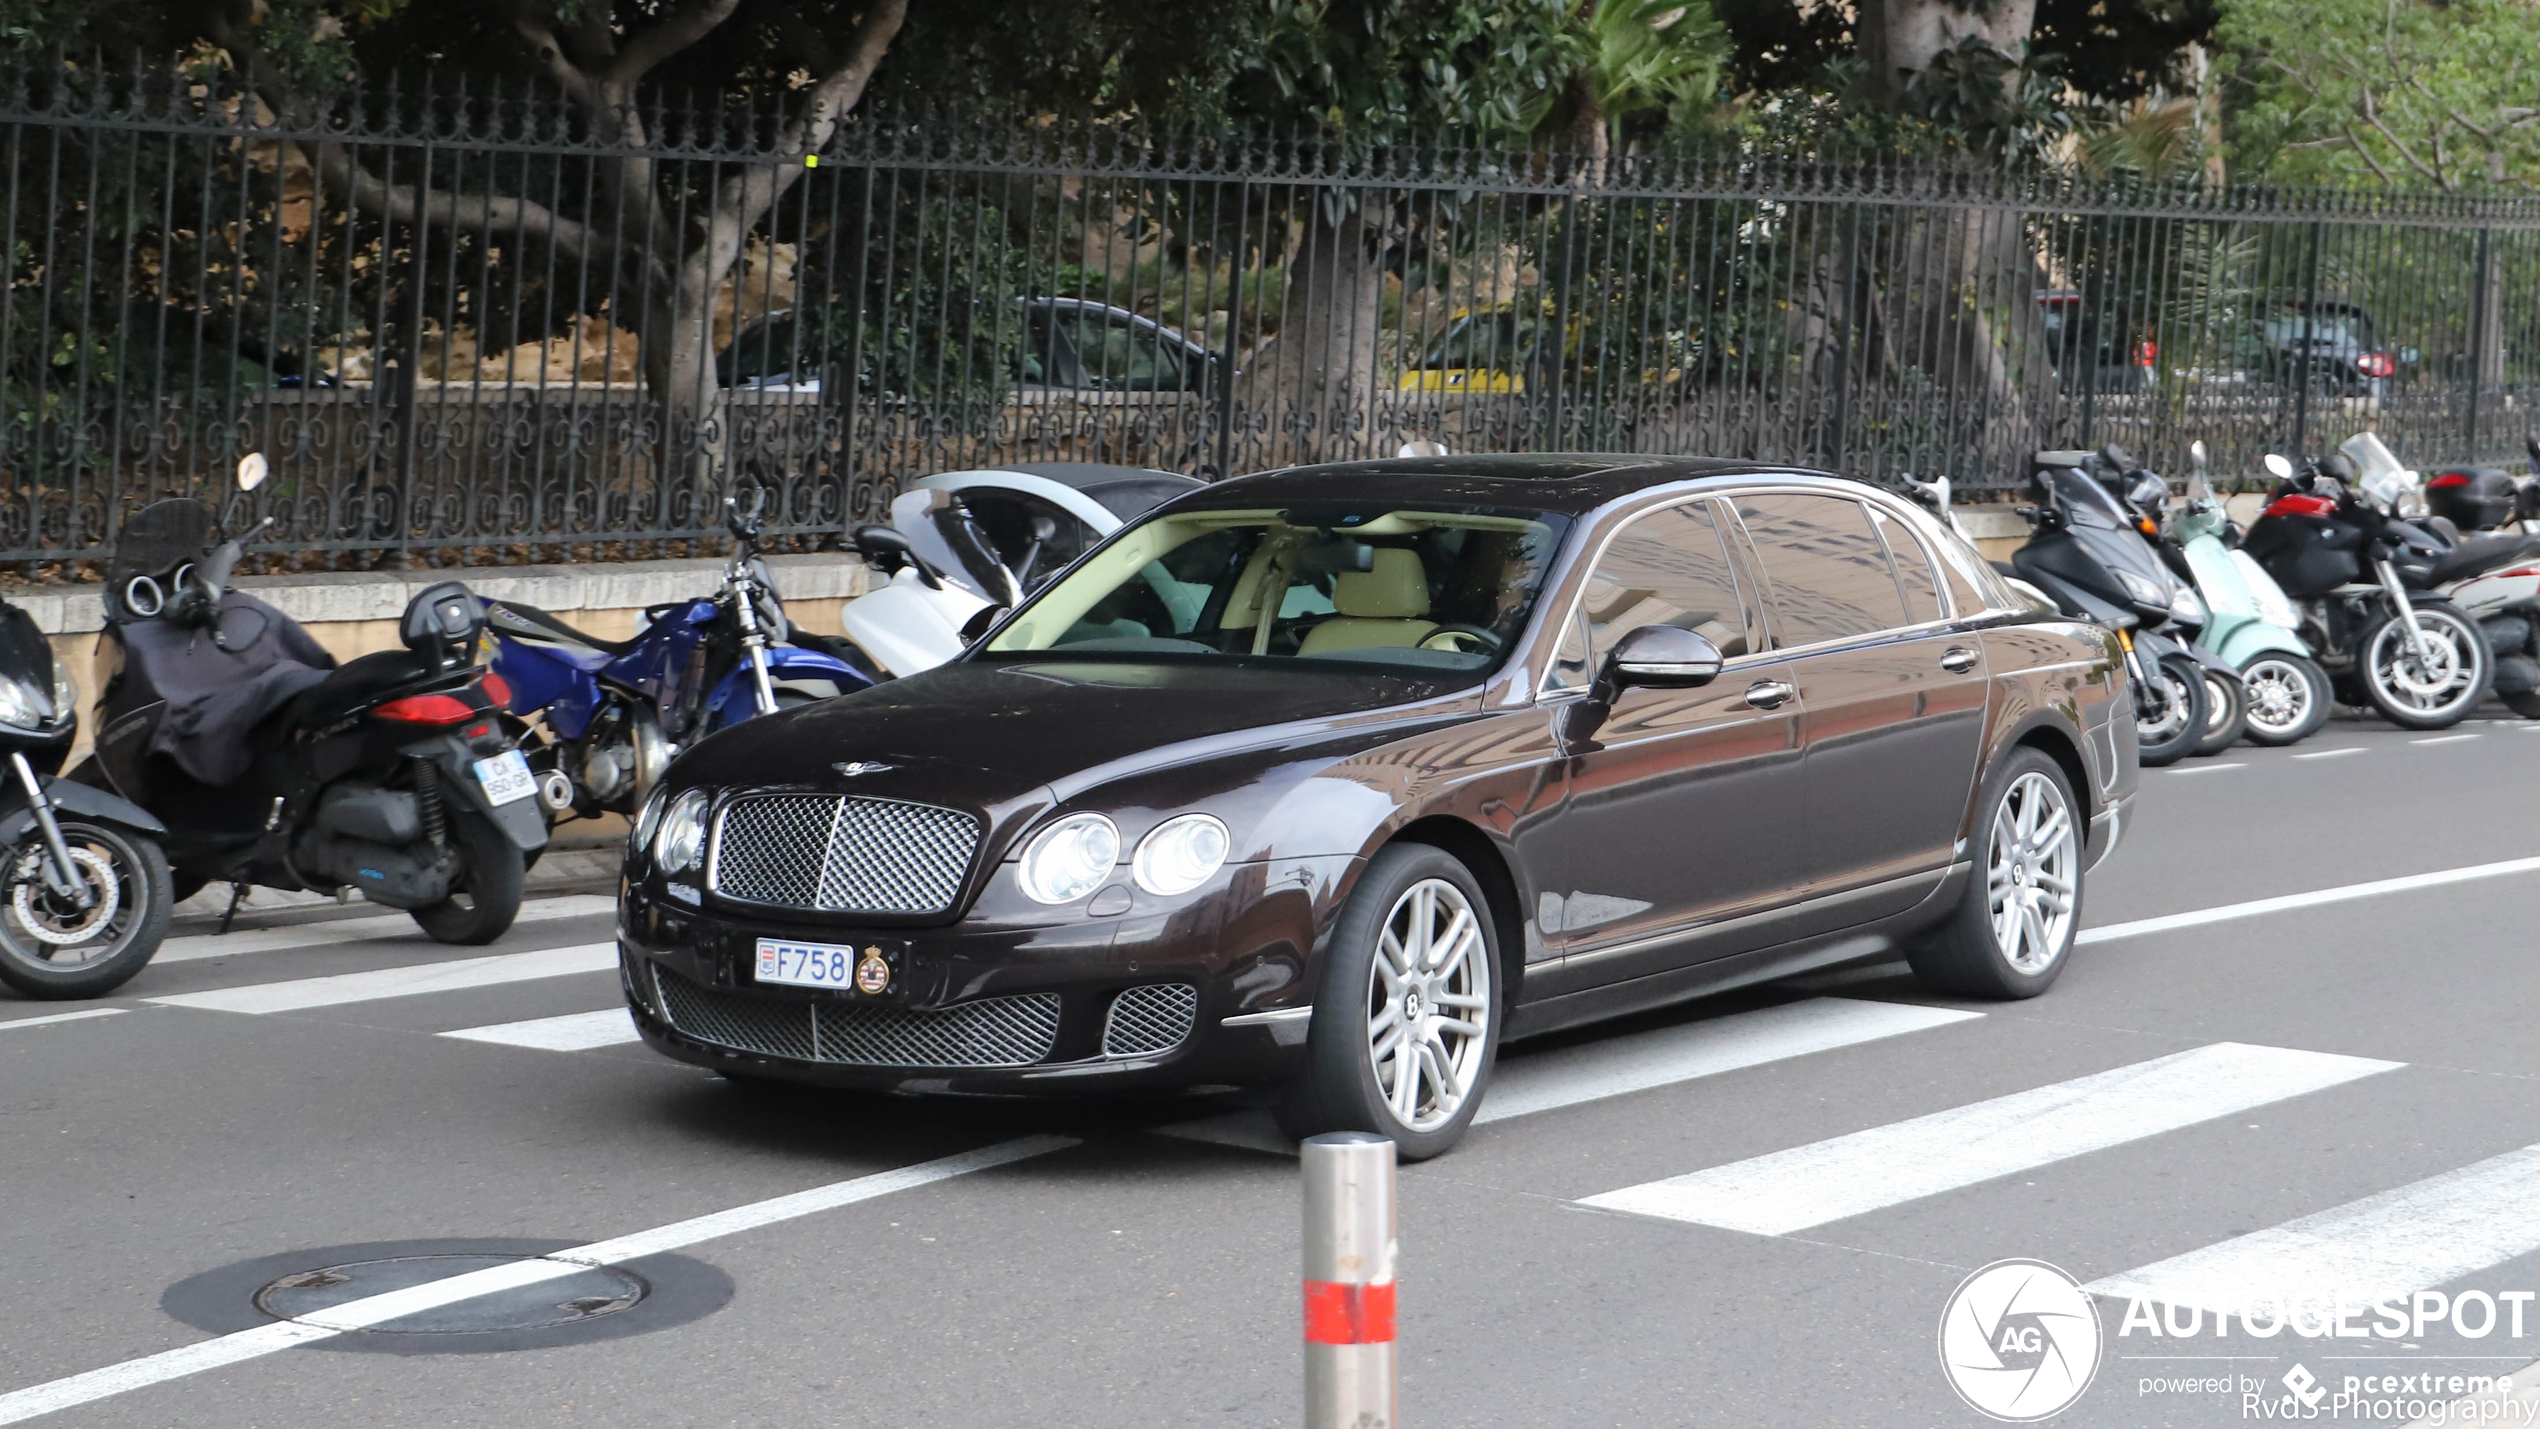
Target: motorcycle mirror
{"type": "Point", "coordinates": [251, 471]}
{"type": "Point", "coordinates": [2196, 453]}
{"type": "Point", "coordinates": [981, 622]}
{"type": "Point", "coordinates": [2278, 467]}
{"type": "Point", "coordinates": [886, 548]}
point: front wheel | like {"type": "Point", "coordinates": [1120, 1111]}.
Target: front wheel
{"type": "Point", "coordinates": [2226, 712]}
{"type": "Point", "coordinates": [485, 896]}
{"type": "Point", "coordinates": [1406, 1019]}
{"type": "Point", "coordinates": [2439, 691]}
{"type": "Point", "coordinates": [2169, 712]}
{"type": "Point", "coordinates": [50, 946]}
{"type": "Point", "coordinates": [2013, 928]}
{"type": "Point", "coordinates": [2289, 697]}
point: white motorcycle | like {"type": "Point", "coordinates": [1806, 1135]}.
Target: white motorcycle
{"type": "Point", "coordinates": [2494, 578]}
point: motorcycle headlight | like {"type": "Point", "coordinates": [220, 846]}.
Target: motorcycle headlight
{"type": "Point", "coordinates": [20, 708]}
{"type": "Point", "coordinates": [2187, 607]}
{"type": "Point", "coordinates": [2144, 589]}
{"type": "Point", "coordinates": [65, 690]}
{"type": "Point", "coordinates": [1180, 854]}
{"type": "Point", "coordinates": [1070, 858]}
{"type": "Point", "coordinates": [680, 843]}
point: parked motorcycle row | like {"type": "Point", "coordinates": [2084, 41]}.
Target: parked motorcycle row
{"type": "Point", "coordinates": [231, 749]}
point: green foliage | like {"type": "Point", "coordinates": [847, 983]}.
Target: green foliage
{"type": "Point", "coordinates": [2406, 92]}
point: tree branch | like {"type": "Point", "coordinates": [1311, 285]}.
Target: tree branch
{"type": "Point", "coordinates": [2372, 116]}
{"type": "Point", "coordinates": [569, 77]}
{"type": "Point", "coordinates": [472, 213]}
{"type": "Point", "coordinates": [689, 24]}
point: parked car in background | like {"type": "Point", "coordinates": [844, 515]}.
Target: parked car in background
{"type": "Point", "coordinates": [1060, 344]}
{"type": "Point", "coordinates": [2092, 349]}
{"type": "Point", "coordinates": [1333, 779]}
{"type": "Point", "coordinates": [2334, 346]}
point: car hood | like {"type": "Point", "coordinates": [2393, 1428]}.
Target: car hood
{"type": "Point", "coordinates": [986, 732]}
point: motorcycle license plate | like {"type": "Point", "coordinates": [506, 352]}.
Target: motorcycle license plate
{"type": "Point", "coordinates": [505, 777]}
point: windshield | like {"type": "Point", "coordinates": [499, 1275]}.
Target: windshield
{"type": "Point", "coordinates": [1364, 583]}
{"type": "Point", "coordinates": [2086, 501]}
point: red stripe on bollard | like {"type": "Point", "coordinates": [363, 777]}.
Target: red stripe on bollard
{"type": "Point", "coordinates": [1338, 1314]}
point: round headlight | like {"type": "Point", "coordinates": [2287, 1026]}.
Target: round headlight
{"type": "Point", "coordinates": [1070, 858]}
{"type": "Point", "coordinates": [1180, 854]}
{"type": "Point", "coordinates": [681, 840]}
{"type": "Point", "coordinates": [2187, 607]}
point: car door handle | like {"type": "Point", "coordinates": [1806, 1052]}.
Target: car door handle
{"type": "Point", "coordinates": [1768, 694]}
{"type": "Point", "coordinates": [1959, 660]}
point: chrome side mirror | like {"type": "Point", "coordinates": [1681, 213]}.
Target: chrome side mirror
{"type": "Point", "coordinates": [1662, 657]}
{"type": "Point", "coordinates": [2278, 467]}
{"type": "Point", "coordinates": [2197, 453]}
{"type": "Point", "coordinates": [251, 471]}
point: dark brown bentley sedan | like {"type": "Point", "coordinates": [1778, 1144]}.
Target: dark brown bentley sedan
{"type": "Point", "coordinates": [1334, 779]}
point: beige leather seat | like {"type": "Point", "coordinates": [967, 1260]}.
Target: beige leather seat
{"type": "Point", "coordinates": [1388, 605]}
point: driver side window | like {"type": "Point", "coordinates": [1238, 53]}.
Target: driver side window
{"type": "Point", "coordinates": [1669, 567]}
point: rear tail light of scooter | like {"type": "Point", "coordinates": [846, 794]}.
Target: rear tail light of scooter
{"type": "Point", "coordinates": [2375, 364]}
{"type": "Point", "coordinates": [498, 689]}
{"type": "Point", "coordinates": [427, 709]}
{"type": "Point", "coordinates": [2301, 506]}
{"type": "Point", "coordinates": [2450, 478]}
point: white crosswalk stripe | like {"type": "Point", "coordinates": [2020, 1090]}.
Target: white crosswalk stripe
{"type": "Point", "coordinates": [2399, 1242]}
{"type": "Point", "coordinates": [367, 931]}
{"type": "Point", "coordinates": [301, 994]}
{"type": "Point", "coordinates": [574, 1032]}
{"type": "Point", "coordinates": [1851, 1175]}
{"type": "Point", "coordinates": [1613, 1067]}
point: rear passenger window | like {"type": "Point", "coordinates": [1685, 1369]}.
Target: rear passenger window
{"type": "Point", "coordinates": [1670, 567]}
{"type": "Point", "coordinates": [1913, 569]}
{"type": "Point", "coordinates": [1826, 566]}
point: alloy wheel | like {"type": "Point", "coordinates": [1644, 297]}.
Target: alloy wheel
{"type": "Point", "coordinates": [2165, 710]}
{"type": "Point", "coordinates": [2033, 869]}
{"type": "Point", "coordinates": [2279, 696]}
{"type": "Point", "coordinates": [1429, 1004]}
{"type": "Point", "coordinates": [2446, 677]}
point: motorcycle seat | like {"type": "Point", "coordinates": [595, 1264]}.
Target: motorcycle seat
{"type": "Point", "coordinates": [347, 688]}
{"type": "Point", "coordinates": [2482, 553]}
{"type": "Point", "coordinates": [528, 622]}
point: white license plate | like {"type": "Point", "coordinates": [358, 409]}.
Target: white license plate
{"type": "Point", "coordinates": [805, 964]}
{"type": "Point", "coordinates": [505, 777]}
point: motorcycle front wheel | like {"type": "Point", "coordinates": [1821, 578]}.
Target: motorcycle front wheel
{"type": "Point", "coordinates": [2169, 712]}
{"type": "Point", "coordinates": [485, 897]}
{"type": "Point", "coordinates": [2226, 713]}
{"type": "Point", "coordinates": [50, 946]}
{"type": "Point", "coordinates": [2289, 698]}
{"type": "Point", "coordinates": [2442, 690]}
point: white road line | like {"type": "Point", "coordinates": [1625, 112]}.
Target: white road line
{"type": "Point", "coordinates": [384, 928]}
{"type": "Point", "coordinates": [575, 1032]}
{"type": "Point", "coordinates": [2413, 1238]}
{"type": "Point", "coordinates": [50, 1019]}
{"type": "Point", "coordinates": [1613, 1068]}
{"type": "Point", "coordinates": [2207, 768]}
{"type": "Point", "coordinates": [2444, 739]}
{"type": "Point", "coordinates": [96, 1384]}
{"type": "Point", "coordinates": [2259, 907]}
{"type": "Point", "coordinates": [1905, 1161]}
{"type": "Point", "coordinates": [303, 993]}
{"type": "Point", "coordinates": [2331, 753]}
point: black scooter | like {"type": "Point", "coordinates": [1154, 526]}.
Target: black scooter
{"type": "Point", "coordinates": [2089, 557]}
{"type": "Point", "coordinates": [391, 775]}
{"type": "Point", "coordinates": [85, 894]}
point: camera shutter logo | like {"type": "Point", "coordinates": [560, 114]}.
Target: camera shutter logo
{"type": "Point", "coordinates": [2019, 1341]}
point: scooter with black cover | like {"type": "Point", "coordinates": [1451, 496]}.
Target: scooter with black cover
{"type": "Point", "coordinates": [84, 888]}
{"type": "Point", "coordinates": [390, 776]}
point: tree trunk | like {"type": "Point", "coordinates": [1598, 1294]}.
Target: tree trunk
{"type": "Point", "coordinates": [1321, 373]}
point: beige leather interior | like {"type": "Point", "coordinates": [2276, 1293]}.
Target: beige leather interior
{"type": "Point", "coordinates": [1385, 606]}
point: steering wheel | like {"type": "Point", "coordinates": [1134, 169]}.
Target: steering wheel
{"type": "Point", "coordinates": [1480, 638]}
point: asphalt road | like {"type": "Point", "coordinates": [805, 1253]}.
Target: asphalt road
{"type": "Point", "coordinates": [1137, 1265]}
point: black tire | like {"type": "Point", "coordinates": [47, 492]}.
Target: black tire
{"type": "Point", "coordinates": [121, 938]}
{"type": "Point", "coordinates": [2289, 697]}
{"type": "Point", "coordinates": [2437, 699]}
{"type": "Point", "coordinates": [485, 897]}
{"type": "Point", "coordinates": [2526, 704]}
{"type": "Point", "coordinates": [1341, 1088]}
{"type": "Point", "coordinates": [2226, 712]}
{"type": "Point", "coordinates": [1966, 956]}
{"type": "Point", "coordinates": [2170, 717]}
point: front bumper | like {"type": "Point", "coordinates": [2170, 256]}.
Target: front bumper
{"type": "Point", "coordinates": [991, 1006]}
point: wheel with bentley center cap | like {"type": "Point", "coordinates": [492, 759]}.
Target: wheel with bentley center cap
{"type": "Point", "coordinates": [2013, 929]}
{"type": "Point", "coordinates": [1407, 1020]}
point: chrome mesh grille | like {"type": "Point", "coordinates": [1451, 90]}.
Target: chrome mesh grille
{"type": "Point", "coordinates": [991, 1032]}
{"type": "Point", "coordinates": [1152, 1018]}
{"type": "Point", "coordinates": [842, 855]}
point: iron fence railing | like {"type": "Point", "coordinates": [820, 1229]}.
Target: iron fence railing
{"type": "Point", "coordinates": [465, 325]}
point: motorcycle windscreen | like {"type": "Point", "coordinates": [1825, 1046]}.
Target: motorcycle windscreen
{"type": "Point", "coordinates": [156, 540]}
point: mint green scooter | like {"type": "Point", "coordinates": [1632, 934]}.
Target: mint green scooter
{"type": "Point", "coordinates": [2251, 624]}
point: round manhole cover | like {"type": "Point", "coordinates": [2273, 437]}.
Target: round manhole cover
{"type": "Point", "coordinates": [571, 1294]}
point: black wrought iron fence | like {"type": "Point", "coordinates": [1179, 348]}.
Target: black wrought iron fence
{"type": "Point", "coordinates": [460, 323]}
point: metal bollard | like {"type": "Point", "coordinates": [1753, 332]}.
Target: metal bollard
{"type": "Point", "coordinates": [1350, 1369]}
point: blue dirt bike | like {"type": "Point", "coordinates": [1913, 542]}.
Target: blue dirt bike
{"type": "Point", "coordinates": [617, 710]}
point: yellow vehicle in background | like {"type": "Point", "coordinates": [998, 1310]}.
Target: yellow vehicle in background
{"type": "Point", "coordinates": [1492, 352]}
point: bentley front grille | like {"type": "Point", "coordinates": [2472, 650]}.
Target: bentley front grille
{"type": "Point", "coordinates": [842, 855]}
{"type": "Point", "coordinates": [1153, 1018]}
{"type": "Point", "coordinates": [990, 1032]}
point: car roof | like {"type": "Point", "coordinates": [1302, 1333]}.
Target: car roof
{"type": "Point", "coordinates": [1574, 483]}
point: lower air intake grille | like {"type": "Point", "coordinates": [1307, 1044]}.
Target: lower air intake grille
{"type": "Point", "coordinates": [1149, 1019]}
{"type": "Point", "coordinates": [991, 1032]}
